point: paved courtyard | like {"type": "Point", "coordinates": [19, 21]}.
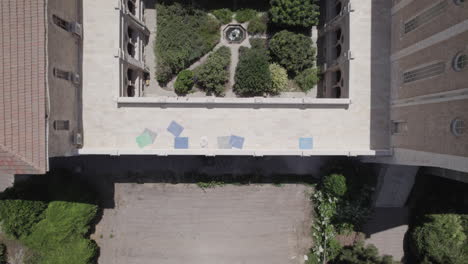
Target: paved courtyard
{"type": "Point", "coordinates": [173, 224]}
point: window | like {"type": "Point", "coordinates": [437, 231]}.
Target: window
{"type": "Point", "coordinates": [457, 127]}
{"type": "Point", "coordinates": [61, 23]}
{"type": "Point", "coordinates": [61, 124]}
{"type": "Point", "coordinates": [424, 72]}
{"type": "Point", "coordinates": [399, 127]}
{"type": "Point", "coordinates": [424, 17]}
{"type": "Point", "coordinates": [460, 61]}
{"type": "Point", "coordinates": [61, 74]}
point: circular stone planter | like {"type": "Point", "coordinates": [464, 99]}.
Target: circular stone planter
{"type": "Point", "coordinates": [234, 33]}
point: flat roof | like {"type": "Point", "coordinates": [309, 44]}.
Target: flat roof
{"type": "Point", "coordinates": [359, 129]}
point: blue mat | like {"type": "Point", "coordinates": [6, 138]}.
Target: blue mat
{"type": "Point", "coordinates": [236, 142]}
{"type": "Point", "coordinates": [306, 143]}
{"type": "Point", "coordinates": [181, 143]}
{"type": "Point", "coordinates": [175, 129]}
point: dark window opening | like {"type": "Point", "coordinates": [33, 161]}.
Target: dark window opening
{"type": "Point", "coordinates": [338, 8]}
{"type": "Point", "coordinates": [61, 74]}
{"type": "Point", "coordinates": [131, 49]}
{"type": "Point", "coordinates": [130, 91]}
{"type": "Point", "coordinates": [337, 76]}
{"type": "Point", "coordinates": [130, 33]}
{"type": "Point", "coordinates": [338, 34]}
{"type": "Point", "coordinates": [61, 23]}
{"type": "Point", "coordinates": [61, 124]}
{"type": "Point", "coordinates": [338, 51]}
{"type": "Point", "coordinates": [336, 93]}
{"type": "Point", "coordinates": [131, 6]}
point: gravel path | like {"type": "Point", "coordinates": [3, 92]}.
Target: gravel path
{"type": "Point", "coordinates": [173, 224]}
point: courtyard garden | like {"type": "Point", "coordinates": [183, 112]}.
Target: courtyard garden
{"type": "Point", "coordinates": [236, 49]}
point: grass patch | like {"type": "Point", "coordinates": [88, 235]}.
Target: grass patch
{"type": "Point", "coordinates": [184, 35]}
{"type": "Point", "coordinates": [209, 185]}
{"type": "Point", "coordinates": [54, 213]}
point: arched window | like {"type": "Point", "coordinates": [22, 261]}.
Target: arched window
{"type": "Point", "coordinates": [457, 127]}
{"type": "Point", "coordinates": [460, 61]}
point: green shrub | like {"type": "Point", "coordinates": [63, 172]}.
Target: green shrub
{"type": "Point", "coordinates": [334, 185]}
{"type": "Point", "coordinates": [60, 236]}
{"type": "Point", "coordinates": [3, 254]}
{"type": "Point", "coordinates": [184, 35]}
{"type": "Point", "coordinates": [184, 82]}
{"type": "Point", "coordinates": [253, 73]}
{"type": "Point", "coordinates": [224, 15]}
{"type": "Point", "coordinates": [440, 239]}
{"type": "Point", "coordinates": [292, 51]}
{"type": "Point", "coordinates": [19, 216]}
{"type": "Point", "coordinates": [279, 78]}
{"type": "Point", "coordinates": [307, 79]}
{"type": "Point", "coordinates": [244, 15]}
{"type": "Point", "coordinates": [258, 25]}
{"type": "Point", "coordinates": [258, 43]}
{"type": "Point", "coordinates": [302, 13]}
{"type": "Point", "coordinates": [213, 75]}
{"type": "Point", "coordinates": [333, 248]}
{"type": "Point", "coordinates": [359, 254]}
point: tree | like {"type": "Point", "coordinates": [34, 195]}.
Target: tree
{"type": "Point", "coordinates": [253, 73]}
{"type": "Point", "coordinates": [245, 15]}
{"type": "Point", "coordinates": [307, 79]}
{"type": "Point", "coordinates": [258, 25]}
{"type": "Point", "coordinates": [213, 75]}
{"type": "Point", "coordinates": [334, 185]}
{"type": "Point", "coordinates": [184, 82]}
{"type": "Point", "coordinates": [294, 13]}
{"type": "Point", "coordinates": [359, 254]}
{"type": "Point", "coordinates": [19, 216]}
{"type": "Point", "coordinates": [279, 78]}
{"type": "Point", "coordinates": [440, 240]}
{"type": "Point", "coordinates": [224, 15]}
{"type": "Point", "coordinates": [292, 51]}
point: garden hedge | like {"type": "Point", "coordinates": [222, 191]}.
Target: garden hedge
{"type": "Point", "coordinates": [184, 35]}
{"type": "Point", "coordinates": [184, 82]}
{"type": "Point", "coordinates": [244, 15]}
{"type": "Point", "coordinates": [307, 79]}
{"type": "Point", "coordinates": [258, 25]}
{"type": "Point", "coordinates": [213, 75]}
{"type": "Point", "coordinates": [253, 73]}
{"type": "Point", "coordinates": [295, 13]}
{"type": "Point", "coordinates": [279, 78]}
{"type": "Point", "coordinates": [224, 15]}
{"type": "Point", "coordinates": [292, 51]}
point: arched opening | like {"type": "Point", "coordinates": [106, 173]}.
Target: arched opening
{"type": "Point", "coordinates": [130, 32]}
{"type": "Point", "coordinates": [338, 35]}
{"type": "Point", "coordinates": [338, 8]}
{"type": "Point", "coordinates": [337, 51]}
{"type": "Point", "coordinates": [337, 76]}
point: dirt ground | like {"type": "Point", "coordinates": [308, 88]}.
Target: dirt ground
{"type": "Point", "coordinates": [174, 224]}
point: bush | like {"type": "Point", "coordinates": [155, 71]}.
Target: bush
{"type": "Point", "coordinates": [358, 254]}
{"type": "Point", "coordinates": [3, 254]}
{"type": "Point", "coordinates": [184, 82]}
{"type": "Point", "coordinates": [184, 35]}
{"type": "Point", "coordinates": [258, 43]}
{"type": "Point", "coordinates": [224, 15]}
{"type": "Point", "coordinates": [253, 73]}
{"type": "Point", "coordinates": [440, 239]}
{"type": "Point", "coordinates": [213, 75]}
{"type": "Point", "coordinates": [279, 78]}
{"type": "Point", "coordinates": [302, 13]}
{"type": "Point", "coordinates": [60, 236]}
{"type": "Point", "coordinates": [19, 216]}
{"type": "Point", "coordinates": [334, 185]}
{"type": "Point", "coordinates": [307, 79]}
{"type": "Point", "coordinates": [258, 25]}
{"type": "Point", "coordinates": [245, 15]}
{"type": "Point", "coordinates": [292, 51]}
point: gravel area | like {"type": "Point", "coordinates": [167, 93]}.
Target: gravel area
{"type": "Point", "coordinates": [173, 224]}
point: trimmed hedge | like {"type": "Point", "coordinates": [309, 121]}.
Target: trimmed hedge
{"type": "Point", "coordinates": [307, 79]}
{"type": "Point", "coordinates": [295, 13]}
{"type": "Point", "coordinates": [441, 239]}
{"type": "Point", "coordinates": [292, 51]}
{"type": "Point", "coordinates": [184, 35]}
{"type": "Point", "coordinates": [279, 78]}
{"type": "Point", "coordinates": [360, 254]}
{"type": "Point", "coordinates": [258, 25]}
{"type": "Point", "coordinates": [213, 75]}
{"type": "Point", "coordinates": [184, 82]}
{"type": "Point", "coordinates": [253, 73]}
{"type": "Point", "coordinates": [224, 15]}
{"type": "Point", "coordinates": [18, 217]}
{"type": "Point", "coordinates": [244, 15]}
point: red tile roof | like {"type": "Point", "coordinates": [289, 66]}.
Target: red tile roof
{"type": "Point", "coordinates": [23, 86]}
